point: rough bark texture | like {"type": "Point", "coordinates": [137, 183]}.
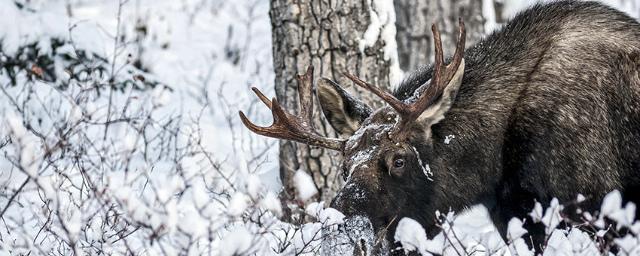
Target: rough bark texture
{"type": "Point", "coordinates": [413, 24]}
{"type": "Point", "coordinates": [325, 34]}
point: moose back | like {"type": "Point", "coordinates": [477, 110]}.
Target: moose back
{"type": "Point", "coordinates": [548, 106]}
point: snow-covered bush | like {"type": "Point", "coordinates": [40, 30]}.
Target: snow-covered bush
{"type": "Point", "coordinates": [39, 44]}
{"type": "Point", "coordinates": [98, 158]}
{"type": "Point", "coordinates": [611, 230]}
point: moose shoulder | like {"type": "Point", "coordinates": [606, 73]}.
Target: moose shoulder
{"type": "Point", "coordinates": [548, 106]}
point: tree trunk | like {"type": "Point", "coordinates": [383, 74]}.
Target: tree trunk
{"type": "Point", "coordinates": [325, 34]}
{"type": "Point", "coordinates": [413, 23]}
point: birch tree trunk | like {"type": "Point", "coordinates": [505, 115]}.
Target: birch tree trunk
{"type": "Point", "coordinates": [325, 34]}
{"type": "Point", "coordinates": [413, 23]}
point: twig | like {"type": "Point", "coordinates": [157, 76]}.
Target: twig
{"type": "Point", "coordinates": [24, 183]}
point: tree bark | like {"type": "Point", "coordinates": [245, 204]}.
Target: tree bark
{"type": "Point", "coordinates": [413, 24]}
{"type": "Point", "coordinates": [325, 34]}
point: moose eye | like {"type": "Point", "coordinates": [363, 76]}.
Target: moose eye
{"type": "Point", "coordinates": [398, 163]}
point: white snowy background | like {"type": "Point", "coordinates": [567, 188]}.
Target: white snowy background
{"type": "Point", "coordinates": [161, 165]}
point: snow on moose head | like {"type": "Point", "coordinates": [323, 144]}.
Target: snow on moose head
{"type": "Point", "coordinates": [387, 155]}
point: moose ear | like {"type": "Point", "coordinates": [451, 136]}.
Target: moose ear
{"type": "Point", "coordinates": [435, 113]}
{"type": "Point", "coordinates": [344, 112]}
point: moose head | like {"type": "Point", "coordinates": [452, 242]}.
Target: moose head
{"type": "Point", "coordinates": [389, 162]}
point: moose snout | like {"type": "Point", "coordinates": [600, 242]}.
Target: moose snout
{"type": "Point", "coordinates": [357, 200]}
{"type": "Point", "coordinates": [351, 200]}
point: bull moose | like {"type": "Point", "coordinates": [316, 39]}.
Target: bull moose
{"type": "Point", "coordinates": [547, 106]}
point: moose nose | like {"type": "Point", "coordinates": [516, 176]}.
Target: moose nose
{"type": "Point", "coordinates": [351, 200]}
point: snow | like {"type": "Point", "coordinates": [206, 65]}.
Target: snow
{"type": "Point", "coordinates": [19, 27]}
{"type": "Point", "coordinates": [305, 187]}
{"type": "Point", "coordinates": [254, 188]}
{"type": "Point", "coordinates": [558, 245]}
{"type": "Point", "coordinates": [238, 204]}
{"type": "Point", "coordinates": [519, 247]}
{"type": "Point", "coordinates": [199, 194]}
{"type": "Point", "coordinates": [330, 216]}
{"type": "Point", "coordinates": [181, 199]}
{"type": "Point", "coordinates": [472, 230]}
{"type": "Point", "coordinates": [448, 138]}
{"type": "Point", "coordinates": [129, 142]}
{"type": "Point", "coordinates": [192, 222]}
{"type": "Point", "coordinates": [75, 115]}
{"type": "Point", "coordinates": [582, 243]}
{"type": "Point", "coordinates": [358, 228]}
{"type": "Point", "coordinates": [14, 124]}
{"type": "Point", "coordinates": [427, 172]}
{"type": "Point", "coordinates": [412, 236]}
{"type": "Point", "coordinates": [28, 149]}
{"type": "Point", "coordinates": [237, 242]}
{"type": "Point", "coordinates": [327, 216]}
{"type": "Point", "coordinates": [629, 245]}
{"type": "Point", "coordinates": [515, 229]}
{"type": "Point", "coordinates": [160, 96]}
{"type": "Point", "coordinates": [536, 213]}
{"type": "Point", "coordinates": [494, 245]}
{"type": "Point", "coordinates": [382, 27]}
{"type": "Point", "coordinates": [612, 208]}
{"type": "Point", "coordinates": [611, 203]}
{"type": "Point", "coordinates": [271, 202]}
{"type": "Point", "coordinates": [552, 217]}
{"type": "Point", "coordinates": [489, 13]}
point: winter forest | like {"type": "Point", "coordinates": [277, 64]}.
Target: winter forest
{"type": "Point", "coordinates": [120, 134]}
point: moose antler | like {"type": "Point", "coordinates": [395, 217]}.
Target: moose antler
{"type": "Point", "coordinates": [291, 127]}
{"type": "Point", "coordinates": [442, 75]}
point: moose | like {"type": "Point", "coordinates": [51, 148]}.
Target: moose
{"type": "Point", "coordinates": [547, 106]}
